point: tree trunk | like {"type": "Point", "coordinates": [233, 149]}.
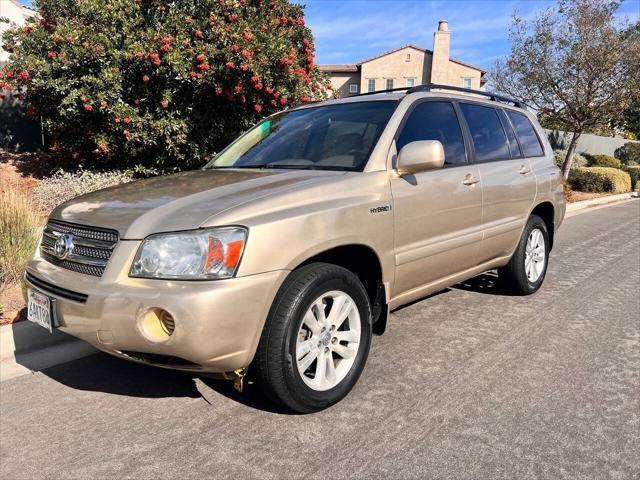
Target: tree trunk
{"type": "Point", "coordinates": [568, 160]}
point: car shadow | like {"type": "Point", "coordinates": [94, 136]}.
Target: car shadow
{"type": "Point", "coordinates": [487, 283]}
{"type": "Point", "coordinates": [107, 374]}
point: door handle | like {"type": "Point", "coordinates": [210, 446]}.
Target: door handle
{"type": "Point", "coordinates": [524, 169]}
{"type": "Point", "coordinates": [470, 179]}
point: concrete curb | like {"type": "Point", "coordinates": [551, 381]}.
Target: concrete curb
{"type": "Point", "coordinates": [26, 347]}
{"type": "Point", "coordinates": [572, 207]}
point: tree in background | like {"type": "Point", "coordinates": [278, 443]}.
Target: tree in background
{"type": "Point", "coordinates": [159, 83]}
{"type": "Point", "coordinates": [575, 64]}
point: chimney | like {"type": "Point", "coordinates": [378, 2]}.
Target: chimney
{"type": "Point", "coordinates": [440, 59]}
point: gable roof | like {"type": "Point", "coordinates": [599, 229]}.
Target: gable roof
{"type": "Point", "coordinates": [354, 67]}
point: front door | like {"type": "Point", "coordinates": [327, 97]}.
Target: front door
{"type": "Point", "coordinates": [437, 213]}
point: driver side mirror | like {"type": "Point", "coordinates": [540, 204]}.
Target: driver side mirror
{"type": "Point", "coordinates": [420, 156]}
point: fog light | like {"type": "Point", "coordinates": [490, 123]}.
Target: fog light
{"type": "Point", "coordinates": [157, 325]}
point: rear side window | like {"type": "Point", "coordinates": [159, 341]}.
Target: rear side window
{"type": "Point", "coordinates": [511, 136]}
{"type": "Point", "coordinates": [526, 133]}
{"type": "Point", "coordinates": [489, 139]}
{"type": "Point", "coordinates": [435, 121]}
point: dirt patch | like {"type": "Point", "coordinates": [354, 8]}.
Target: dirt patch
{"type": "Point", "coordinates": [12, 306]}
{"type": "Point", "coordinates": [581, 196]}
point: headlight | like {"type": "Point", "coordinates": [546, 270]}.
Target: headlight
{"type": "Point", "coordinates": [206, 254]}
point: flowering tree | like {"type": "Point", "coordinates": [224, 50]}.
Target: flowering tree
{"type": "Point", "coordinates": [159, 83]}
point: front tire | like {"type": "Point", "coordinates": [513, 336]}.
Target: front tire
{"type": "Point", "coordinates": [525, 272]}
{"type": "Point", "coordinates": [316, 338]}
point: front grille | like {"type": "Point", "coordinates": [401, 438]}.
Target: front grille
{"type": "Point", "coordinates": [92, 247]}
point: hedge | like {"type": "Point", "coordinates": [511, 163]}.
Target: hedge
{"type": "Point", "coordinates": [600, 179]}
{"type": "Point", "coordinates": [602, 160]}
{"type": "Point", "coordinates": [629, 153]}
{"type": "Point", "coordinates": [634, 173]}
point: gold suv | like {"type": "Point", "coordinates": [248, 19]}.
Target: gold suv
{"type": "Point", "coordinates": [285, 253]}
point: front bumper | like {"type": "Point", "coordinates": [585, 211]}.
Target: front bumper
{"type": "Point", "coordinates": [217, 323]}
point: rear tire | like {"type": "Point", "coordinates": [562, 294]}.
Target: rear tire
{"type": "Point", "coordinates": [316, 338]}
{"type": "Point", "coordinates": [525, 272]}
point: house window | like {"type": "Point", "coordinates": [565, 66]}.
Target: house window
{"type": "Point", "coordinates": [411, 82]}
{"type": "Point", "coordinates": [372, 85]}
{"type": "Point", "coordinates": [408, 59]}
{"type": "Point", "coordinates": [353, 88]}
{"type": "Point", "coordinates": [466, 82]}
{"type": "Point", "coordinates": [389, 83]}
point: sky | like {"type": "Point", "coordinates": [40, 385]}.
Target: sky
{"type": "Point", "coordinates": [347, 31]}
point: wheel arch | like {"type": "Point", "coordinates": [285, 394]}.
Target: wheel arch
{"type": "Point", "coordinates": [546, 211]}
{"type": "Point", "coordinates": [365, 263]}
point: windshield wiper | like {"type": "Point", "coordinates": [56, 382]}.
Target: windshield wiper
{"type": "Point", "coordinates": [262, 166]}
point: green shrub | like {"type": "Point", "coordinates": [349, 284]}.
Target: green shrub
{"type": "Point", "coordinates": [634, 173]}
{"type": "Point", "coordinates": [159, 83]}
{"type": "Point", "coordinates": [599, 179]}
{"type": "Point", "coordinates": [18, 235]}
{"type": "Point", "coordinates": [63, 186]}
{"type": "Point", "coordinates": [629, 153]}
{"type": "Point", "coordinates": [601, 160]}
{"type": "Point", "coordinates": [578, 159]}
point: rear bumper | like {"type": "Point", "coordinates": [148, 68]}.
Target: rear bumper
{"type": "Point", "coordinates": [217, 323]}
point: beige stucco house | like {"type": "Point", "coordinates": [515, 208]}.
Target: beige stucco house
{"type": "Point", "coordinates": [407, 66]}
{"type": "Point", "coordinates": [17, 14]}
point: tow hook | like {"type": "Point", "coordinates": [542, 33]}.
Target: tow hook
{"type": "Point", "coordinates": [238, 378]}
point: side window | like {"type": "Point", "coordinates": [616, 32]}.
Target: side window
{"type": "Point", "coordinates": [514, 148]}
{"type": "Point", "coordinates": [489, 139]}
{"type": "Point", "coordinates": [435, 121]}
{"type": "Point", "coordinates": [527, 135]}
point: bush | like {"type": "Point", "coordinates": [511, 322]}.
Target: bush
{"type": "Point", "coordinates": [18, 235]}
{"type": "Point", "coordinates": [63, 186]}
{"type": "Point", "coordinates": [602, 160]}
{"type": "Point", "coordinates": [629, 153]}
{"type": "Point", "coordinates": [578, 159]}
{"type": "Point", "coordinates": [599, 179]}
{"type": "Point", "coordinates": [159, 83]}
{"type": "Point", "coordinates": [634, 173]}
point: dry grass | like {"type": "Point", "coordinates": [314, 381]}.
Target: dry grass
{"type": "Point", "coordinates": [18, 235]}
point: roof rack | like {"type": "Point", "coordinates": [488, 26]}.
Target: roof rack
{"type": "Point", "coordinates": [427, 87]}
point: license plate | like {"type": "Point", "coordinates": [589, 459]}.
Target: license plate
{"type": "Point", "coordinates": [40, 309]}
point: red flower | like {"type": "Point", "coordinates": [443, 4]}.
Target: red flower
{"type": "Point", "coordinates": [126, 120]}
{"type": "Point", "coordinates": [203, 66]}
{"type": "Point", "coordinates": [305, 42]}
{"type": "Point", "coordinates": [258, 86]}
{"type": "Point", "coordinates": [23, 76]}
{"type": "Point", "coordinates": [193, 74]}
{"type": "Point", "coordinates": [235, 48]}
{"type": "Point", "coordinates": [247, 54]}
{"type": "Point", "coordinates": [85, 44]}
{"type": "Point", "coordinates": [145, 78]}
{"type": "Point", "coordinates": [88, 107]}
{"type": "Point", "coordinates": [257, 107]}
{"type": "Point", "coordinates": [164, 103]}
{"type": "Point", "coordinates": [10, 74]}
{"type": "Point", "coordinates": [230, 65]}
{"type": "Point", "coordinates": [284, 19]}
{"type": "Point", "coordinates": [165, 48]}
{"type": "Point", "coordinates": [117, 120]}
{"type": "Point", "coordinates": [27, 30]}
{"type": "Point", "coordinates": [201, 58]}
{"type": "Point", "coordinates": [244, 67]}
{"type": "Point", "coordinates": [248, 36]}
{"type": "Point", "coordinates": [185, 43]}
{"type": "Point", "coordinates": [276, 95]}
{"type": "Point", "coordinates": [243, 99]}
{"type": "Point", "coordinates": [52, 54]}
{"type": "Point", "coordinates": [300, 21]}
{"type": "Point", "coordinates": [305, 99]}
{"type": "Point", "coordinates": [127, 134]}
{"type": "Point", "coordinates": [276, 21]}
{"type": "Point", "coordinates": [198, 34]}
{"type": "Point", "coordinates": [233, 17]}
{"type": "Point", "coordinates": [255, 79]}
{"type": "Point", "coordinates": [239, 88]}
{"type": "Point", "coordinates": [283, 101]}
{"type": "Point", "coordinates": [167, 40]}
{"type": "Point", "coordinates": [218, 91]}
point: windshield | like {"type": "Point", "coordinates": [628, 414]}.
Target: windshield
{"type": "Point", "coordinates": [331, 137]}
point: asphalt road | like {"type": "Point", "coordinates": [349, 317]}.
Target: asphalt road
{"type": "Point", "coordinates": [469, 383]}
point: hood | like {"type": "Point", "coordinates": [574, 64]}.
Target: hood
{"type": "Point", "coordinates": [178, 202]}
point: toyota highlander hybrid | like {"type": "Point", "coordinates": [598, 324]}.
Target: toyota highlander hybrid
{"type": "Point", "coordinates": [284, 254]}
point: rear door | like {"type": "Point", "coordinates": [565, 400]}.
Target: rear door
{"type": "Point", "coordinates": [509, 185]}
{"type": "Point", "coordinates": [437, 213]}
